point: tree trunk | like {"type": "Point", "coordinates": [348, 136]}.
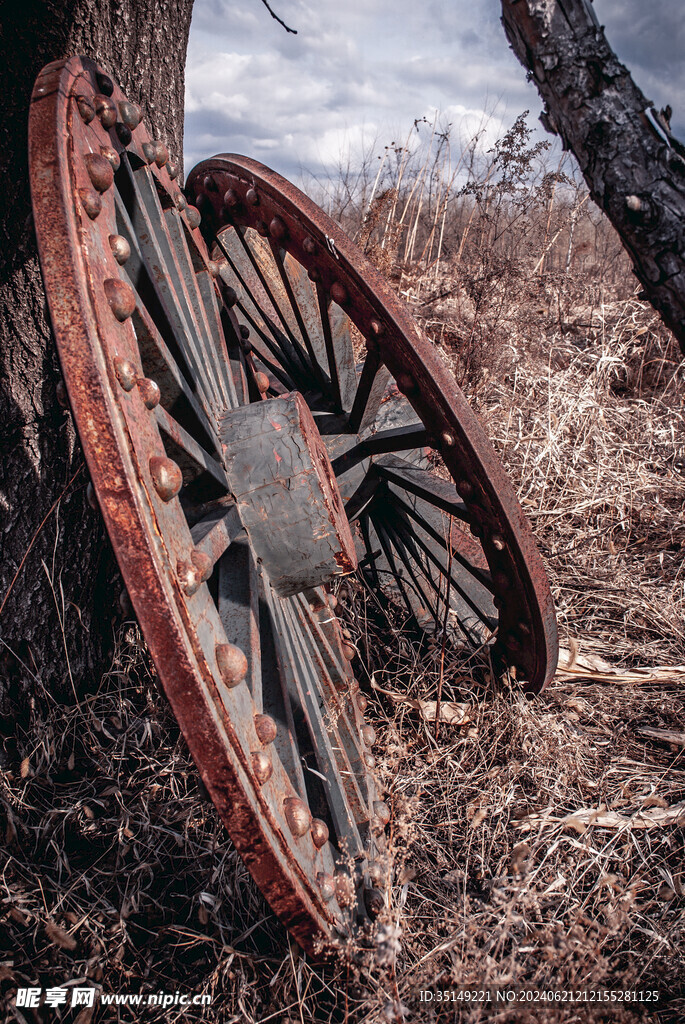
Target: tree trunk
{"type": "Point", "coordinates": [57, 594]}
{"type": "Point", "coordinates": [633, 165]}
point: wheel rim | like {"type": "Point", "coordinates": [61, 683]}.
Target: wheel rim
{"type": "Point", "coordinates": [299, 293]}
{"type": "Point", "coordinates": [260, 683]}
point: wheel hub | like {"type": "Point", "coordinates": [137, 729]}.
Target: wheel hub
{"type": "Point", "coordinates": [286, 494]}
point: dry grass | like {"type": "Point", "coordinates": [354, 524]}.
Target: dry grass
{"type": "Point", "coordinates": [118, 871]}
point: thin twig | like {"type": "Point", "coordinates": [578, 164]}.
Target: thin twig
{"type": "Point", "coordinates": [279, 20]}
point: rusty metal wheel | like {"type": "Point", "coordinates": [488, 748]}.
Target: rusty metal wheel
{"type": "Point", "coordinates": [220, 502]}
{"type": "Point", "coordinates": [308, 313]}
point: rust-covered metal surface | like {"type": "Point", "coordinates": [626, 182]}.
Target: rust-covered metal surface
{"type": "Point", "coordinates": [457, 553]}
{"type": "Point", "coordinates": [154, 370]}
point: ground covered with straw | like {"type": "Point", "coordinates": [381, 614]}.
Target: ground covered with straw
{"type": "Point", "coordinates": [536, 844]}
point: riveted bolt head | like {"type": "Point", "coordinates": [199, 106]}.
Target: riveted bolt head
{"type": "Point", "coordinates": [349, 652]}
{"type": "Point", "coordinates": [161, 154]}
{"type": "Point", "coordinates": [345, 889]}
{"type": "Point", "coordinates": [213, 268]}
{"type": "Point", "coordinates": [369, 760]}
{"type": "Point", "coordinates": [262, 382]}
{"type": "Point", "coordinates": [130, 114]}
{"type": "Point", "coordinates": [230, 297]}
{"type": "Point", "coordinates": [465, 488]}
{"type": "Point", "coordinates": [91, 498]}
{"type": "Point", "coordinates": [309, 245]}
{"type": "Point", "coordinates": [244, 332]}
{"type": "Point", "coordinates": [91, 202]}
{"type": "Point", "coordinates": [498, 542]}
{"type": "Point", "coordinates": [105, 110]}
{"type": "Point", "coordinates": [166, 476]}
{"type": "Point", "coordinates": [634, 204]}
{"type": "Point", "coordinates": [326, 885]}
{"type": "Point", "coordinates": [298, 815]}
{"type": "Point", "coordinates": [314, 274]}
{"type": "Point", "coordinates": [210, 184]}
{"type": "Point", "coordinates": [123, 133]}
{"type": "Point", "coordinates": [149, 392]}
{"type": "Point", "coordinates": [381, 811]}
{"type": "Point", "coordinates": [319, 832]}
{"type": "Point", "coordinates": [252, 197]}
{"type": "Point", "coordinates": [172, 168]}
{"type": "Point", "coordinates": [232, 664]}
{"type": "Point", "coordinates": [202, 563]}
{"type": "Point", "coordinates": [125, 373]}
{"type": "Point", "coordinates": [332, 602]}
{"type": "Point", "coordinates": [188, 577]}
{"type": "Point", "coordinates": [105, 83]}
{"type": "Point", "coordinates": [262, 768]}
{"type": "Point", "coordinates": [376, 328]}
{"type": "Point", "coordinates": [368, 735]}
{"type": "Point", "coordinates": [278, 229]}
{"type": "Point", "coordinates": [448, 439]}
{"type": "Point", "coordinates": [193, 215]}
{"type": "Point", "coordinates": [180, 201]}
{"type": "Point", "coordinates": [100, 171]}
{"type": "Point", "coordinates": [265, 727]}
{"type": "Point", "coordinates": [61, 394]}
{"type": "Point", "coordinates": [85, 108]}
{"type": "Point", "coordinates": [111, 155]}
{"type": "Point", "coordinates": [121, 250]}
{"type": "Point", "coordinates": [374, 902]}
{"type": "Point", "coordinates": [362, 702]}
{"type": "Point", "coordinates": [231, 198]}
{"type": "Point", "coordinates": [149, 150]}
{"type": "Point", "coordinates": [406, 383]}
{"type": "Point", "coordinates": [339, 293]}
{"type": "Point", "coordinates": [121, 298]}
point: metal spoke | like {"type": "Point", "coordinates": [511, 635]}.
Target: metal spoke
{"type": "Point", "coordinates": [161, 366]}
{"type": "Point", "coordinates": [261, 290]}
{"type": "Point", "coordinates": [213, 534]}
{"type": "Point", "coordinates": [464, 587]}
{"type": "Point", "coordinates": [392, 565]}
{"type": "Point", "coordinates": [337, 788]}
{"type": "Point", "coordinates": [238, 602]}
{"type": "Point", "coordinates": [180, 436]}
{"type": "Point", "coordinates": [148, 224]}
{"type": "Point", "coordinates": [370, 390]}
{"type": "Point", "coordinates": [253, 304]}
{"type": "Point", "coordinates": [404, 548]}
{"type": "Point", "coordinates": [395, 439]}
{"type": "Point", "coordinates": [465, 550]}
{"type": "Point", "coordinates": [423, 484]}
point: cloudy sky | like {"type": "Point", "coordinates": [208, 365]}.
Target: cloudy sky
{"type": "Point", "coordinates": [359, 72]}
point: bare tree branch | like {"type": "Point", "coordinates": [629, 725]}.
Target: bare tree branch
{"type": "Point", "coordinates": [279, 20]}
{"type": "Point", "coordinates": [632, 163]}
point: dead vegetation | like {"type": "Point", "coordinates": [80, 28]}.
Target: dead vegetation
{"type": "Point", "coordinates": [536, 844]}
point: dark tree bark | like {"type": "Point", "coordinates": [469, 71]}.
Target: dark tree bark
{"type": "Point", "coordinates": [633, 165]}
{"type": "Point", "coordinates": [56, 605]}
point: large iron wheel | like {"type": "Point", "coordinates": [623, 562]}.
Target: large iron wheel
{"type": "Point", "coordinates": [184, 453]}
{"type": "Point", "coordinates": [314, 316]}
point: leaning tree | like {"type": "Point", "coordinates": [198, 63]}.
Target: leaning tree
{"type": "Point", "coordinates": [633, 165]}
{"type": "Point", "coordinates": [55, 564]}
